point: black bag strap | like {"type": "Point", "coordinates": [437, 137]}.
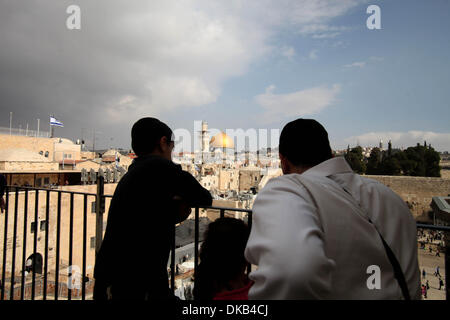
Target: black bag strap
{"type": "Point", "coordinates": [398, 273]}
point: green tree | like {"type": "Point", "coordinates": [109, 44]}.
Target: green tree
{"type": "Point", "coordinates": [356, 160]}
{"type": "Point", "coordinates": [432, 159]}
{"type": "Point", "coordinates": [390, 166]}
{"type": "Point", "coordinates": [373, 164]}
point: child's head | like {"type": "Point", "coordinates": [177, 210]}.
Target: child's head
{"type": "Point", "coordinates": [221, 256]}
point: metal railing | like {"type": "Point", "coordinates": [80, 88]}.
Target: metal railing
{"type": "Point", "coordinates": [63, 289]}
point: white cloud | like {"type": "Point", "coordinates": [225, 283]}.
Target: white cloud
{"type": "Point", "coordinates": [322, 31]}
{"type": "Point", "coordinates": [143, 57]}
{"type": "Point", "coordinates": [300, 103]}
{"type": "Point", "coordinates": [288, 52]}
{"type": "Point", "coordinates": [360, 64]}
{"type": "Point", "coordinates": [439, 141]}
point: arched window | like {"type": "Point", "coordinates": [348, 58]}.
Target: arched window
{"type": "Point", "coordinates": [34, 263]}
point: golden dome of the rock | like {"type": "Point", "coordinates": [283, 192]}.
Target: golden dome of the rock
{"type": "Point", "coordinates": [221, 140]}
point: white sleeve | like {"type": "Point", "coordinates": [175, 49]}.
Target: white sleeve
{"type": "Point", "coordinates": [286, 243]}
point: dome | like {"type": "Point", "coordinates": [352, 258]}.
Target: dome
{"type": "Point", "coordinates": [221, 140]}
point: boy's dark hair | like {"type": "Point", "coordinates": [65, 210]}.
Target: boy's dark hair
{"type": "Point", "coordinates": [304, 142]}
{"type": "Point", "coordinates": [146, 134]}
{"type": "Point", "coordinates": [221, 256]}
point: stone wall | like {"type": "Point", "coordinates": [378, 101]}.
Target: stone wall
{"type": "Point", "coordinates": [416, 191]}
{"type": "Point", "coordinates": [28, 166]}
{"type": "Point", "coordinates": [28, 143]}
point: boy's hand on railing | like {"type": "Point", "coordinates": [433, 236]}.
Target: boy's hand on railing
{"type": "Point", "coordinates": [183, 210]}
{"type": "Point", "coordinates": [2, 204]}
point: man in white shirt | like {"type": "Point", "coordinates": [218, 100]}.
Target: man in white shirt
{"type": "Point", "coordinates": [318, 230]}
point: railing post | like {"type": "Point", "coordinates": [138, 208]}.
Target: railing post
{"type": "Point", "coordinates": [196, 243]}
{"type": "Point", "coordinates": [99, 210]}
{"type": "Point", "coordinates": [447, 263]}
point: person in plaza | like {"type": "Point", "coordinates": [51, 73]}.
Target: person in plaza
{"type": "Point", "coordinates": [321, 231]}
{"type": "Point", "coordinates": [441, 283]}
{"type": "Point", "coordinates": [221, 273]}
{"type": "Point", "coordinates": [424, 274]}
{"type": "Point", "coordinates": [424, 291]}
{"type": "Point", "coordinates": [427, 284]}
{"type": "Point", "coordinates": [2, 192]}
{"type": "Point", "coordinates": [149, 200]}
{"type": "Point", "coordinates": [436, 272]}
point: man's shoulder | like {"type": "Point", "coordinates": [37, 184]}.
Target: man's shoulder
{"type": "Point", "coordinates": [288, 183]}
{"type": "Point", "coordinates": [372, 191]}
{"type": "Point", "coordinates": [369, 185]}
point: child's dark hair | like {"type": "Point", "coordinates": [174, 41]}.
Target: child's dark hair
{"type": "Point", "coordinates": [221, 256]}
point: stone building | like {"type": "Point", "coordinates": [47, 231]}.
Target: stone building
{"type": "Point", "coordinates": [23, 159]}
{"type": "Point", "coordinates": [55, 149]}
{"type": "Point", "coordinates": [249, 177]}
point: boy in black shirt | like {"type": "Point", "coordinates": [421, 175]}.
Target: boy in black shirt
{"type": "Point", "coordinates": [149, 200]}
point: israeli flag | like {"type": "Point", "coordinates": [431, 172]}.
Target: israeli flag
{"type": "Point", "coordinates": [55, 122]}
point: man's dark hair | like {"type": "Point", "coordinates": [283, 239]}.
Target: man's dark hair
{"type": "Point", "coordinates": [304, 142]}
{"type": "Point", "coordinates": [146, 134]}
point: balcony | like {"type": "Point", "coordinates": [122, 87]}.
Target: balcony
{"type": "Point", "coordinates": [49, 239]}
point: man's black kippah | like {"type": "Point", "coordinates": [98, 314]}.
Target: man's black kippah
{"type": "Point", "coordinates": [305, 142]}
{"type": "Point", "coordinates": [146, 134]}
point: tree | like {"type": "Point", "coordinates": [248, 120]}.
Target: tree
{"type": "Point", "coordinates": [432, 159]}
{"type": "Point", "coordinates": [390, 166]}
{"type": "Point", "coordinates": [356, 161]}
{"type": "Point", "coordinates": [373, 164]}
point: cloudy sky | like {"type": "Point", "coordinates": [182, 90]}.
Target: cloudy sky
{"type": "Point", "coordinates": [236, 64]}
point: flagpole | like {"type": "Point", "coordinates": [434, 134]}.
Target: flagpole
{"type": "Point", "coordinates": [10, 123]}
{"type": "Point", "coordinates": [38, 129]}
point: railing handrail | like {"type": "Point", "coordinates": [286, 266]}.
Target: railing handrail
{"type": "Point", "coordinates": [50, 189]}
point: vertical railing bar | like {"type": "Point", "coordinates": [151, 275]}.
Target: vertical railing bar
{"type": "Point", "coordinates": [5, 245]}
{"type": "Point", "coordinates": [172, 260]}
{"type": "Point", "coordinates": [196, 242]}
{"type": "Point", "coordinates": [99, 209]}
{"type": "Point", "coordinates": [13, 259]}
{"type": "Point", "coordinates": [24, 251]}
{"type": "Point", "coordinates": [58, 231]}
{"type": "Point", "coordinates": [69, 291]}
{"type": "Point", "coordinates": [83, 293]}
{"type": "Point", "coordinates": [47, 210]}
{"type": "Point", "coordinates": [446, 235]}
{"type": "Point", "coordinates": [250, 221]}
{"type": "Point", "coordinates": [36, 211]}
{"type": "Point", "coordinates": [222, 213]}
